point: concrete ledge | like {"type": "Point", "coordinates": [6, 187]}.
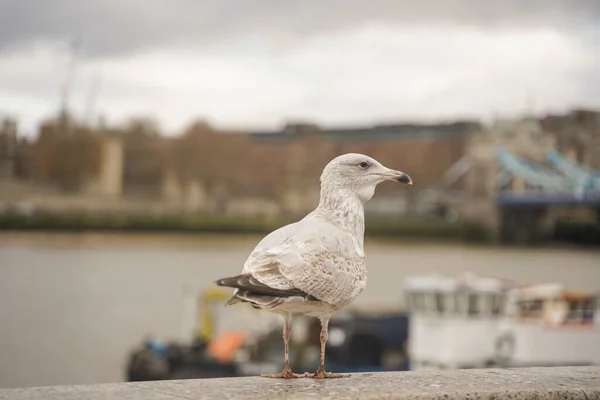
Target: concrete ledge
{"type": "Point", "coordinates": [525, 383]}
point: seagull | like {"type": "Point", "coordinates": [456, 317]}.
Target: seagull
{"type": "Point", "coordinates": [315, 266]}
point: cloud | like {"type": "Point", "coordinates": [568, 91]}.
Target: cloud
{"type": "Point", "coordinates": [379, 72]}
{"type": "Point", "coordinates": [114, 27]}
{"type": "Point", "coordinates": [260, 63]}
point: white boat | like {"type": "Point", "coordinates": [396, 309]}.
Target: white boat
{"type": "Point", "coordinates": [453, 322]}
{"type": "Point", "coordinates": [478, 322]}
{"type": "Point", "coordinates": [548, 325]}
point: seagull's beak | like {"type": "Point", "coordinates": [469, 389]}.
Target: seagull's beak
{"type": "Point", "coordinates": [398, 176]}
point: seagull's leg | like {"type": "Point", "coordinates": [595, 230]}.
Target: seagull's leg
{"type": "Point", "coordinates": [286, 342]}
{"type": "Point", "coordinates": [321, 374]}
{"type": "Point", "coordinates": [287, 372]}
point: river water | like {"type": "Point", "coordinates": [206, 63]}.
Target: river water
{"type": "Point", "coordinates": [73, 305]}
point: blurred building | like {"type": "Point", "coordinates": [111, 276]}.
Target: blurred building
{"type": "Point", "coordinates": [424, 151]}
{"type": "Point", "coordinates": [9, 143]}
{"type": "Point", "coordinates": [276, 173]}
{"type": "Point", "coordinates": [577, 135]}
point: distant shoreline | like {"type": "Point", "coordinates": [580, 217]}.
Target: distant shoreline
{"type": "Point", "coordinates": [210, 230]}
{"type": "Point", "coordinates": [233, 241]}
{"type": "Point", "coordinates": [436, 230]}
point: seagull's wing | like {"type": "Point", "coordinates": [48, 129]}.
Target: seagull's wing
{"type": "Point", "coordinates": [310, 258]}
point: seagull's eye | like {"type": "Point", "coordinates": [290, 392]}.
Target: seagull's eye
{"type": "Point", "coordinates": [364, 164]}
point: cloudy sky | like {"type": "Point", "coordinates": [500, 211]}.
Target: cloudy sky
{"type": "Point", "coordinates": [258, 63]}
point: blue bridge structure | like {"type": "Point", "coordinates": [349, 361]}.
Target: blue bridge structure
{"type": "Point", "coordinates": [566, 183]}
{"type": "Point", "coordinates": [533, 213]}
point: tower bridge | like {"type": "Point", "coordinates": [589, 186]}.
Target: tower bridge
{"type": "Point", "coordinates": [533, 201]}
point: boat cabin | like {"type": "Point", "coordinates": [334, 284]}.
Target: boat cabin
{"type": "Point", "coordinates": [469, 296]}
{"type": "Point", "coordinates": [551, 304]}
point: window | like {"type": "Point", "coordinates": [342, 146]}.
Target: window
{"type": "Point", "coordinates": [474, 308]}
{"type": "Point", "coordinates": [530, 308]}
{"type": "Point", "coordinates": [418, 301]}
{"type": "Point", "coordinates": [536, 309]}
{"type": "Point", "coordinates": [582, 310]}
{"type": "Point", "coordinates": [439, 303]}
{"type": "Point", "coordinates": [575, 311]}
{"type": "Point", "coordinates": [497, 304]}
{"type": "Point", "coordinates": [589, 310]}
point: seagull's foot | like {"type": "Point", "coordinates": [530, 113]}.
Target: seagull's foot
{"type": "Point", "coordinates": [285, 374]}
{"type": "Point", "coordinates": [321, 374]}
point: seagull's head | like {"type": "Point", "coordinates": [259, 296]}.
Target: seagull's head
{"type": "Point", "coordinates": [359, 174]}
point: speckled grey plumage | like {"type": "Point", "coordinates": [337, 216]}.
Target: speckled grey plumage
{"type": "Point", "coordinates": [318, 263]}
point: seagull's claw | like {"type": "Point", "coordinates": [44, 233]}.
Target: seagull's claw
{"type": "Point", "coordinates": [328, 375]}
{"type": "Point", "coordinates": [285, 374]}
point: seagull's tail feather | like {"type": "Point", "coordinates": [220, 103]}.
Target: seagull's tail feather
{"type": "Point", "coordinates": [263, 302]}
{"type": "Point", "coordinates": [249, 290]}
{"type": "Point", "coordinates": [246, 282]}
{"type": "Point", "coordinates": [233, 300]}
{"type": "Point", "coordinates": [229, 281]}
